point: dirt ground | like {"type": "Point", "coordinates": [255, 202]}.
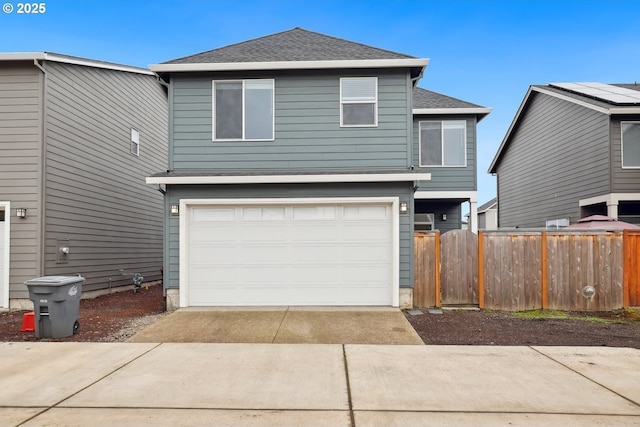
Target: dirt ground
{"type": "Point", "coordinates": [119, 315]}
{"type": "Point", "coordinates": [112, 318]}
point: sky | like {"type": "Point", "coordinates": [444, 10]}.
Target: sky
{"type": "Point", "coordinates": [487, 52]}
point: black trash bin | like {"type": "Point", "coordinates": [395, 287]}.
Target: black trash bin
{"type": "Point", "coordinates": [56, 305]}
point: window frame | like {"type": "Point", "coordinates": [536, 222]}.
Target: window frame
{"type": "Point", "coordinates": [135, 142]}
{"type": "Point", "coordinates": [442, 128]}
{"type": "Point", "coordinates": [430, 221]}
{"type": "Point", "coordinates": [374, 102]}
{"type": "Point", "coordinates": [243, 138]}
{"type": "Point", "coordinates": [622, 123]}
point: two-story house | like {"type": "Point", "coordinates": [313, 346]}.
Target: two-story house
{"type": "Point", "coordinates": [77, 139]}
{"type": "Point", "coordinates": [572, 150]}
{"type": "Point", "coordinates": [292, 172]}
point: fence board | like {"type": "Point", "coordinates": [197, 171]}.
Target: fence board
{"type": "Point", "coordinates": [459, 273]}
{"type": "Point", "coordinates": [426, 265]}
{"type": "Point", "coordinates": [631, 268]}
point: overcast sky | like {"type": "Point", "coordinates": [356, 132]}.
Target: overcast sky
{"type": "Point", "coordinates": [486, 52]}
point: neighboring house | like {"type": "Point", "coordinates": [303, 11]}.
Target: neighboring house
{"type": "Point", "coordinates": [77, 138]}
{"type": "Point", "coordinates": [445, 145]}
{"type": "Point", "coordinates": [292, 171]}
{"type": "Point", "coordinates": [572, 150]}
{"type": "Point", "coordinates": [488, 215]}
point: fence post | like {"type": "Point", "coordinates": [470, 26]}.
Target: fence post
{"type": "Point", "coordinates": [544, 279]}
{"type": "Point", "coordinates": [438, 264]}
{"type": "Point", "coordinates": [481, 269]}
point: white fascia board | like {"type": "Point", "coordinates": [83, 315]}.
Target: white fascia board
{"type": "Point", "coordinates": [610, 199]}
{"type": "Point", "coordinates": [289, 179]}
{"type": "Point", "coordinates": [471, 195]}
{"type": "Point", "coordinates": [45, 56]}
{"type": "Point", "coordinates": [572, 100]}
{"type": "Point", "coordinates": [441, 111]}
{"type": "Point", "coordinates": [289, 65]}
{"type": "Point", "coordinates": [605, 110]}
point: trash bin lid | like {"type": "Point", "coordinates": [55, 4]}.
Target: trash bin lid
{"type": "Point", "coordinates": [54, 280]}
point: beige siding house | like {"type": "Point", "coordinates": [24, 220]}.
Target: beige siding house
{"type": "Point", "coordinates": [77, 138]}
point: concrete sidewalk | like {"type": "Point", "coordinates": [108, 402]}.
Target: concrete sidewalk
{"type": "Point", "coordinates": [132, 384]}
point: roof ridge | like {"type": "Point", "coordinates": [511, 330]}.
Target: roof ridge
{"type": "Point", "coordinates": [293, 45]}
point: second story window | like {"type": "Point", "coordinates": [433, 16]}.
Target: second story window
{"type": "Point", "coordinates": [443, 143]}
{"type": "Point", "coordinates": [243, 110]}
{"type": "Point", "coordinates": [630, 144]}
{"type": "Point", "coordinates": [359, 101]}
{"type": "Point", "coordinates": [135, 142]}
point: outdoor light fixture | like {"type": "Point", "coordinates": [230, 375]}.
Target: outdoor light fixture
{"type": "Point", "coordinates": [175, 209]}
{"type": "Point", "coordinates": [403, 207]}
{"type": "Point", "coordinates": [21, 212]}
{"type": "Point", "coordinates": [444, 217]}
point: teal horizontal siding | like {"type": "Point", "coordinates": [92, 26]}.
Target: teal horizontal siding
{"type": "Point", "coordinates": [307, 127]}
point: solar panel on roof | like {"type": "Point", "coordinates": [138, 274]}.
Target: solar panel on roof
{"type": "Point", "coordinates": [604, 92]}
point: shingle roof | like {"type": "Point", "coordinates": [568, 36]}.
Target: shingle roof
{"type": "Point", "coordinates": [490, 204]}
{"type": "Point", "coordinates": [423, 98]}
{"type": "Point", "coordinates": [293, 45]}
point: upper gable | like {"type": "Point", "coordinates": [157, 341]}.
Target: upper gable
{"type": "Point", "coordinates": [593, 100]}
{"type": "Point", "coordinates": [296, 49]}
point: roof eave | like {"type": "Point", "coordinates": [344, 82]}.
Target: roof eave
{"type": "Point", "coordinates": [290, 65]}
{"type": "Point", "coordinates": [46, 56]}
{"type": "Point", "coordinates": [281, 179]}
{"type": "Point", "coordinates": [481, 112]}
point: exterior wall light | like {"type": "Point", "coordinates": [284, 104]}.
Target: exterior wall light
{"type": "Point", "coordinates": [403, 207]}
{"type": "Point", "coordinates": [21, 212]}
{"type": "Point", "coordinates": [444, 217]}
{"type": "Point", "coordinates": [175, 209]}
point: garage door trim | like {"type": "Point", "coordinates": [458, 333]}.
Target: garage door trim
{"type": "Point", "coordinates": [187, 204]}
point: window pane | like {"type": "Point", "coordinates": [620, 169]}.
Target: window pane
{"type": "Point", "coordinates": [358, 89]}
{"type": "Point", "coordinates": [228, 113]}
{"type": "Point", "coordinates": [259, 109]}
{"type": "Point", "coordinates": [358, 114]}
{"type": "Point", "coordinates": [454, 144]}
{"type": "Point", "coordinates": [630, 145]}
{"type": "Point", "coordinates": [430, 144]}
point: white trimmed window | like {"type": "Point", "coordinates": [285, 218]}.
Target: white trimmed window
{"type": "Point", "coordinates": [424, 222]}
{"type": "Point", "coordinates": [135, 142]}
{"type": "Point", "coordinates": [630, 144]}
{"type": "Point", "coordinates": [243, 110]}
{"type": "Point", "coordinates": [359, 101]}
{"type": "Point", "coordinates": [443, 143]}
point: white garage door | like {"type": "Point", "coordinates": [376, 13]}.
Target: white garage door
{"type": "Point", "coordinates": [290, 254]}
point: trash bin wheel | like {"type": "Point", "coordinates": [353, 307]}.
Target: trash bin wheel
{"type": "Point", "coordinates": [76, 327]}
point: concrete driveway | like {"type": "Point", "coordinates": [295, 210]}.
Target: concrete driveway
{"type": "Point", "coordinates": [282, 325]}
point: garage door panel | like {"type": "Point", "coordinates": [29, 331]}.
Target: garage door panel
{"type": "Point", "coordinates": [290, 255]}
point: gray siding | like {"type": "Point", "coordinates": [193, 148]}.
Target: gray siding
{"type": "Point", "coordinates": [623, 180]}
{"type": "Point", "coordinates": [558, 155]}
{"type": "Point", "coordinates": [307, 127]}
{"type": "Point", "coordinates": [96, 196]}
{"type": "Point", "coordinates": [20, 118]}
{"type": "Point", "coordinates": [445, 178]}
{"type": "Point", "coordinates": [175, 193]}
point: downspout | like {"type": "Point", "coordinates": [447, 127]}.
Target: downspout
{"type": "Point", "coordinates": [42, 167]}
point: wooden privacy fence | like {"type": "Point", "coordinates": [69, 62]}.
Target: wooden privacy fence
{"type": "Point", "coordinates": [525, 270]}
